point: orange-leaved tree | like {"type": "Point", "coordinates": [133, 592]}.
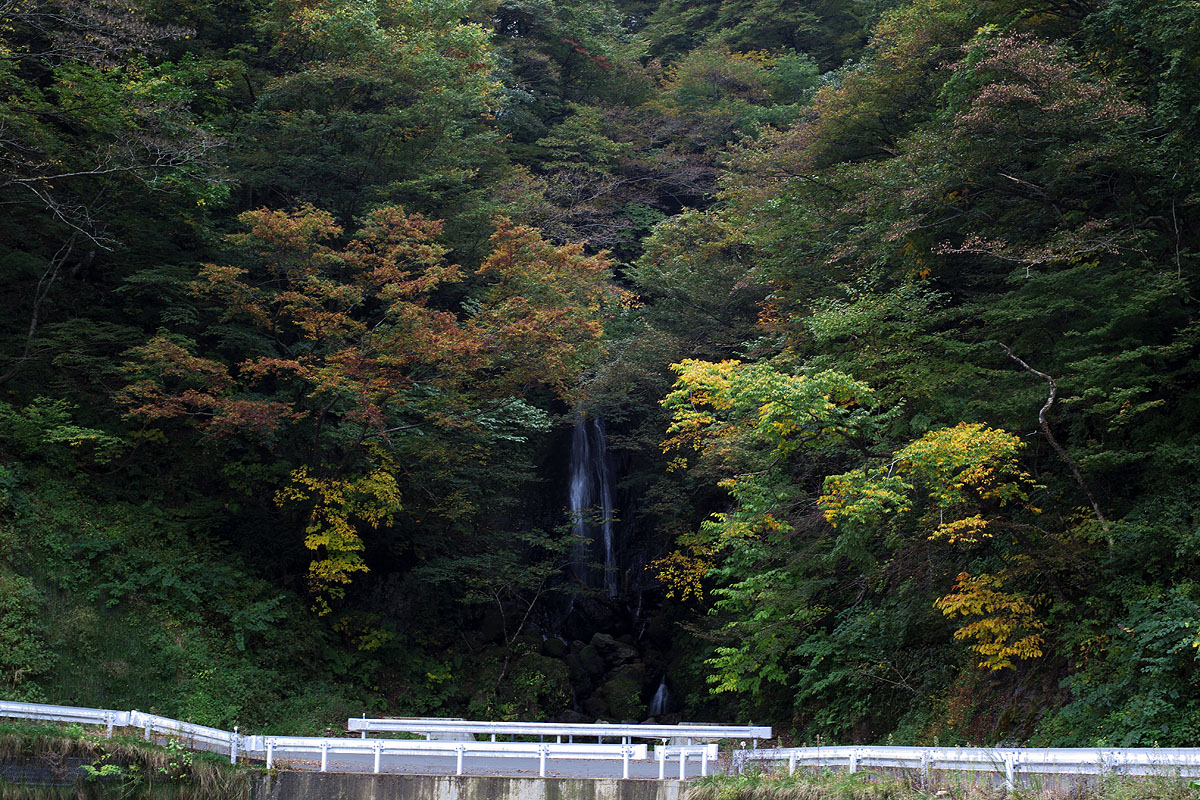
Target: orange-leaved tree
{"type": "Point", "coordinates": [355, 360]}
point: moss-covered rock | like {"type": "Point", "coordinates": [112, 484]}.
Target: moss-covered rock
{"type": "Point", "coordinates": [622, 692]}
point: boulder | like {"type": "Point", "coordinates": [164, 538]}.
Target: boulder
{"type": "Point", "coordinates": [613, 651]}
{"type": "Point", "coordinates": [591, 661]}
{"type": "Point", "coordinates": [554, 648]}
{"type": "Point", "coordinates": [596, 706]}
{"type": "Point", "coordinates": [622, 692]}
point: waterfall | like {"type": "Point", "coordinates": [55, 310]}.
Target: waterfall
{"type": "Point", "coordinates": [662, 697]}
{"type": "Point", "coordinates": [581, 497]}
{"type": "Point", "coordinates": [606, 509]}
{"type": "Point", "coordinates": [590, 492]}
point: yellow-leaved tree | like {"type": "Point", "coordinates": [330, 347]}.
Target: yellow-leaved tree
{"type": "Point", "coordinates": [965, 479]}
{"type": "Point", "coordinates": [339, 509]}
{"type": "Point", "coordinates": [782, 438]}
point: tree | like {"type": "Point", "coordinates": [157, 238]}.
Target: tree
{"type": "Point", "coordinates": [96, 128]}
{"type": "Point", "coordinates": [336, 358]}
{"type": "Point", "coordinates": [368, 104]}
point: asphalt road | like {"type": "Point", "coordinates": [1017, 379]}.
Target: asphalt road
{"type": "Point", "coordinates": [486, 765]}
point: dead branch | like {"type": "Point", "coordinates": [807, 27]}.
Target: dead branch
{"type": "Point", "coordinates": [1044, 423]}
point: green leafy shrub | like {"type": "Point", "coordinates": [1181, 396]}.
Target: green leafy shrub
{"type": "Point", "coordinates": [24, 655]}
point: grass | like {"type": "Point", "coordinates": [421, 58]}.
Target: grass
{"type": "Point", "coordinates": [85, 765]}
{"type": "Point", "coordinates": [872, 785]}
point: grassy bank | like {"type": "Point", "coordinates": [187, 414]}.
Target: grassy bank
{"type": "Point", "coordinates": [804, 785]}
{"type": "Point", "coordinates": [81, 764]}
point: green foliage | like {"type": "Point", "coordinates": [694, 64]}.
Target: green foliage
{"type": "Point", "coordinates": [754, 784]}
{"type": "Point", "coordinates": [976, 222]}
{"type": "Point", "coordinates": [34, 432]}
{"type": "Point", "coordinates": [830, 32]}
{"type": "Point", "coordinates": [1134, 684]}
{"type": "Point", "coordinates": [301, 292]}
{"type": "Point", "coordinates": [26, 656]}
{"type": "Point", "coordinates": [370, 103]}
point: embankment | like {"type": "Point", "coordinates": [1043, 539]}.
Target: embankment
{"type": "Point", "coordinates": [344, 786]}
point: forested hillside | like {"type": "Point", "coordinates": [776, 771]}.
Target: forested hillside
{"type": "Point", "coordinates": [830, 364]}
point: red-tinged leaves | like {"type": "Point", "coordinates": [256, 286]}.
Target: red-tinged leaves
{"type": "Point", "coordinates": [542, 318]}
{"type": "Point", "coordinates": [397, 254]}
{"type": "Point", "coordinates": [348, 343]}
{"type": "Point", "coordinates": [171, 382]}
{"type": "Point", "coordinates": [1028, 83]}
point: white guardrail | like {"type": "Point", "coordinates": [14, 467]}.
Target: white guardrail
{"type": "Point", "coordinates": [203, 737]}
{"type": "Point", "coordinates": [1009, 761]}
{"type": "Point", "coordinates": [683, 733]}
{"type": "Point", "coordinates": [381, 747]}
{"type": "Point", "coordinates": [149, 723]}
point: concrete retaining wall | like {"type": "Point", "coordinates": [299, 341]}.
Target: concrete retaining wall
{"type": "Point", "coordinates": [344, 786]}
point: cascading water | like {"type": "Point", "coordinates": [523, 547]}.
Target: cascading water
{"type": "Point", "coordinates": [661, 699]}
{"type": "Point", "coordinates": [591, 492]}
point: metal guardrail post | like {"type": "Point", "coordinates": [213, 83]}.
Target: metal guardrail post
{"type": "Point", "coordinates": [233, 746]}
{"type": "Point", "coordinates": [853, 761]}
{"type": "Point", "coordinates": [460, 750]}
{"type": "Point", "coordinates": [682, 763]}
{"type": "Point", "coordinates": [625, 752]}
{"type": "Point", "coordinates": [542, 761]}
{"type": "Point", "coordinates": [324, 756]}
{"type": "Point", "coordinates": [662, 762]}
{"type": "Point", "coordinates": [378, 748]}
{"type": "Point", "coordinates": [1010, 771]}
{"type": "Point", "coordinates": [704, 763]}
{"type": "Point", "coordinates": [270, 753]}
{"type": "Point", "coordinates": [925, 769]}
{"type": "Point", "coordinates": [791, 763]}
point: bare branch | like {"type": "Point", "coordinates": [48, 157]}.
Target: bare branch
{"type": "Point", "coordinates": [1043, 421]}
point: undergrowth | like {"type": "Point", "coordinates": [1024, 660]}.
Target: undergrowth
{"type": "Point", "coordinates": [869, 785]}
{"type": "Point", "coordinates": [82, 765]}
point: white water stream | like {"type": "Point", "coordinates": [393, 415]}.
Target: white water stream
{"type": "Point", "coordinates": [591, 502]}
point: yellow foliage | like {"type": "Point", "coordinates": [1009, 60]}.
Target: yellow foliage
{"type": "Point", "coordinates": [339, 506]}
{"type": "Point", "coordinates": [683, 573]}
{"type": "Point", "coordinates": [1008, 627]}
{"type": "Point", "coordinates": [700, 384]}
{"type": "Point", "coordinates": [969, 461]}
{"type": "Point", "coordinates": [968, 530]}
{"type": "Point", "coordinates": [861, 497]}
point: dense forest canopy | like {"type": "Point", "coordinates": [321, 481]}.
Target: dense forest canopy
{"type": "Point", "coordinates": [869, 324]}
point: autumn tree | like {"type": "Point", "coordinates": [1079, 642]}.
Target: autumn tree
{"type": "Point", "coordinates": [346, 368]}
